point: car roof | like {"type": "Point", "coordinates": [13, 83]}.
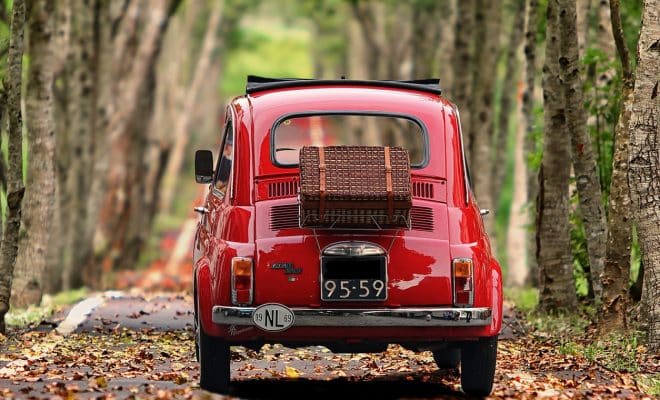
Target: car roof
{"type": "Point", "coordinates": [257, 84]}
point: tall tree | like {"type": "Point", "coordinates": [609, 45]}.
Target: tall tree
{"type": "Point", "coordinates": [584, 162]}
{"type": "Point", "coordinates": [644, 172]}
{"type": "Point", "coordinates": [510, 110]}
{"type": "Point", "coordinates": [60, 226]}
{"type": "Point", "coordinates": [15, 188]}
{"type": "Point", "coordinates": [508, 98]}
{"type": "Point", "coordinates": [81, 108]}
{"type": "Point", "coordinates": [461, 64]}
{"type": "Point", "coordinates": [529, 121]}
{"type": "Point", "coordinates": [28, 285]}
{"type": "Point", "coordinates": [583, 11]}
{"type": "Point", "coordinates": [616, 270]}
{"type": "Point", "coordinates": [555, 261]}
{"type": "Point", "coordinates": [488, 22]}
{"type": "Point", "coordinates": [133, 102]}
{"type": "Point", "coordinates": [181, 136]}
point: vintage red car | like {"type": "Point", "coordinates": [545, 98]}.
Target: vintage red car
{"type": "Point", "coordinates": [261, 278]}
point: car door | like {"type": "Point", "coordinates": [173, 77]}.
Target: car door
{"type": "Point", "coordinates": [217, 200]}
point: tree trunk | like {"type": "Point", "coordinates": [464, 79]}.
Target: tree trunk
{"type": "Point", "coordinates": [462, 64]}
{"type": "Point", "coordinates": [488, 22]}
{"type": "Point", "coordinates": [507, 101]}
{"type": "Point", "coordinates": [644, 172]}
{"type": "Point", "coordinates": [517, 230]}
{"type": "Point", "coordinates": [584, 163]}
{"type": "Point", "coordinates": [554, 256]}
{"type": "Point", "coordinates": [61, 71]}
{"type": "Point", "coordinates": [81, 111]}
{"type": "Point", "coordinates": [180, 133]}
{"type": "Point", "coordinates": [15, 188]}
{"type": "Point", "coordinates": [530, 140]}
{"type": "Point", "coordinates": [28, 286]}
{"type": "Point", "coordinates": [123, 134]}
{"type": "Point", "coordinates": [616, 270]}
{"type": "Point", "coordinates": [583, 11]}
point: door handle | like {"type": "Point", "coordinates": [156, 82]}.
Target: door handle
{"type": "Point", "coordinates": [201, 210]}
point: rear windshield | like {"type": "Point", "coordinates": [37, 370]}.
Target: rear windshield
{"type": "Point", "coordinates": [292, 133]}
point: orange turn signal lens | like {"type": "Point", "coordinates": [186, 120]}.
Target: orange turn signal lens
{"type": "Point", "coordinates": [462, 268]}
{"type": "Point", "coordinates": [241, 280]}
{"type": "Point", "coordinates": [241, 267]}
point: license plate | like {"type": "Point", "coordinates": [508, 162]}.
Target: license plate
{"type": "Point", "coordinates": [346, 278]}
{"type": "Point", "coordinates": [354, 289]}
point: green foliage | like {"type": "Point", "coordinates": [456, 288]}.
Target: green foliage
{"type": "Point", "coordinates": [266, 47]}
{"type": "Point", "coordinates": [525, 299]}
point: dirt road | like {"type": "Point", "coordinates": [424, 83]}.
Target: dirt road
{"type": "Point", "coordinates": [136, 346]}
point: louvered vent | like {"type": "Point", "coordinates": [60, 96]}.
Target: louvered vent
{"type": "Point", "coordinates": [282, 189]}
{"type": "Point", "coordinates": [283, 217]}
{"type": "Point", "coordinates": [423, 190]}
{"type": "Point", "coordinates": [421, 219]}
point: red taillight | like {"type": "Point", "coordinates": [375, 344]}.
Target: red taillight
{"type": "Point", "coordinates": [241, 280]}
{"type": "Point", "coordinates": [463, 282]}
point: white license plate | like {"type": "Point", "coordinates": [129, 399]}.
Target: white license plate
{"type": "Point", "coordinates": [273, 317]}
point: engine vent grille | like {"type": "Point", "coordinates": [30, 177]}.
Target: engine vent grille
{"type": "Point", "coordinates": [283, 189]}
{"type": "Point", "coordinates": [284, 216]}
{"type": "Point", "coordinates": [422, 190]}
{"type": "Point", "coordinates": [421, 219]}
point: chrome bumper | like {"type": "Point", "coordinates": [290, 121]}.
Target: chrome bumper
{"type": "Point", "coordinates": [421, 317]}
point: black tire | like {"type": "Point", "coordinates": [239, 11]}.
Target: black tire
{"type": "Point", "coordinates": [214, 363]}
{"type": "Point", "coordinates": [447, 358]}
{"type": "Point", "coordinates": [478, 361]}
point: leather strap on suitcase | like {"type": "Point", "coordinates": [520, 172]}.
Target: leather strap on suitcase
{"type": "Point", "coordinates": [388, 183]}
{"type": "Point", "coordinates": [322, 192]}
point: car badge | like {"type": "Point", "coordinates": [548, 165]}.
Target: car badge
{"type": "Point", "coordinates": [288, 268]}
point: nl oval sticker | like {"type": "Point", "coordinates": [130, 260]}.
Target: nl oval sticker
{"type": "Point", "coordinates": [273, 317]}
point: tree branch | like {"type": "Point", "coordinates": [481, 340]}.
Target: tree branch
{"type": "Point", "coordinates": [620, 40]}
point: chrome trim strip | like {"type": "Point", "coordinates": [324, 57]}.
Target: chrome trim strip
{"type": "Point", "coordinates": [404, 317]}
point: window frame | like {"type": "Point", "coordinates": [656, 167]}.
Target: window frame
{"type": "Point", "coordinates": [419, 122]}
{"type": "Point", "coordinates": [229, 126]}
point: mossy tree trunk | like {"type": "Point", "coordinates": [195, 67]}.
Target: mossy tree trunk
{"type": "Point", "coordinates": [28, 285]}
{"type": "Point", "coordinates": [15, 188]}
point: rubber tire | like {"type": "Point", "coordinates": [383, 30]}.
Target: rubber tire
{"type": "Point", "coordinates": [447, 358]}
{"type": "Point", "coordinates": [478, 361]}
{"type": "Point", "coordinates": [214, 363]}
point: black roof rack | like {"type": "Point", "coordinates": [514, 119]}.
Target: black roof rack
{"type": "Point", "coordinates": [258, 83]}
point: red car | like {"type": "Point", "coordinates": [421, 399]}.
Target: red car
{"type": "Point", "coordinates": [260, 278]}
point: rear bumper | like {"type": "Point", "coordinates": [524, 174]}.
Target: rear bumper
{"type": "Point", "coordinates": [396, 317]}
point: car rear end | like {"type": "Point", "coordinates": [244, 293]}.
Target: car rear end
{"type": "Point", "coordinates": [431, 285]}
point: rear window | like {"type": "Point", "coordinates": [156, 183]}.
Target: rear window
{"type": "Point", "coordinates": [292, 133]}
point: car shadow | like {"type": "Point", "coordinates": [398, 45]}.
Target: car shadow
{"type": "Point", "coordinates": [392, 386]}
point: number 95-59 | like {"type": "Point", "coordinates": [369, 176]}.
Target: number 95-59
{"type": "Point", "coordinates": [354, 289]}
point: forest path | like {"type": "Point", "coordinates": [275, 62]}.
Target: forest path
{"type": "Point", "coordinates": [144, 346]}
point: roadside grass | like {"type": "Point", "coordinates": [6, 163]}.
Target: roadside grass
{"type": "Point", "coordinates": [33, 315]}
{"type": "Point", "coordinates": [574, 334]}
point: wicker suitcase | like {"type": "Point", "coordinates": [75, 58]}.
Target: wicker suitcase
{"type": "Point", "coordinates": [355, 186]}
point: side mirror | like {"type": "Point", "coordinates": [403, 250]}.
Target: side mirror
{"type": "Point", "coordinates": [203, 166]}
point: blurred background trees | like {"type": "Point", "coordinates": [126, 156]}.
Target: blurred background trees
{"type": "Point", "coordinates": [118, 93]}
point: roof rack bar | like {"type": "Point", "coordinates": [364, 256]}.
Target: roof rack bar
{"type": "Point", "coordinates": [257, 84]}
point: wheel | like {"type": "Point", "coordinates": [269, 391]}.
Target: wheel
{"type": "Point", "coordinates": [478, 366]}
{"type": "Point", "coordinates": [214, 363]}
{"type": "Point", "coordinates": [447, 358]}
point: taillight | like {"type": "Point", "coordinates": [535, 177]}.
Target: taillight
{"type": "Point", "coordinates": [241, 280]}
{"type": "Point", "coordinates": [462, 272]}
